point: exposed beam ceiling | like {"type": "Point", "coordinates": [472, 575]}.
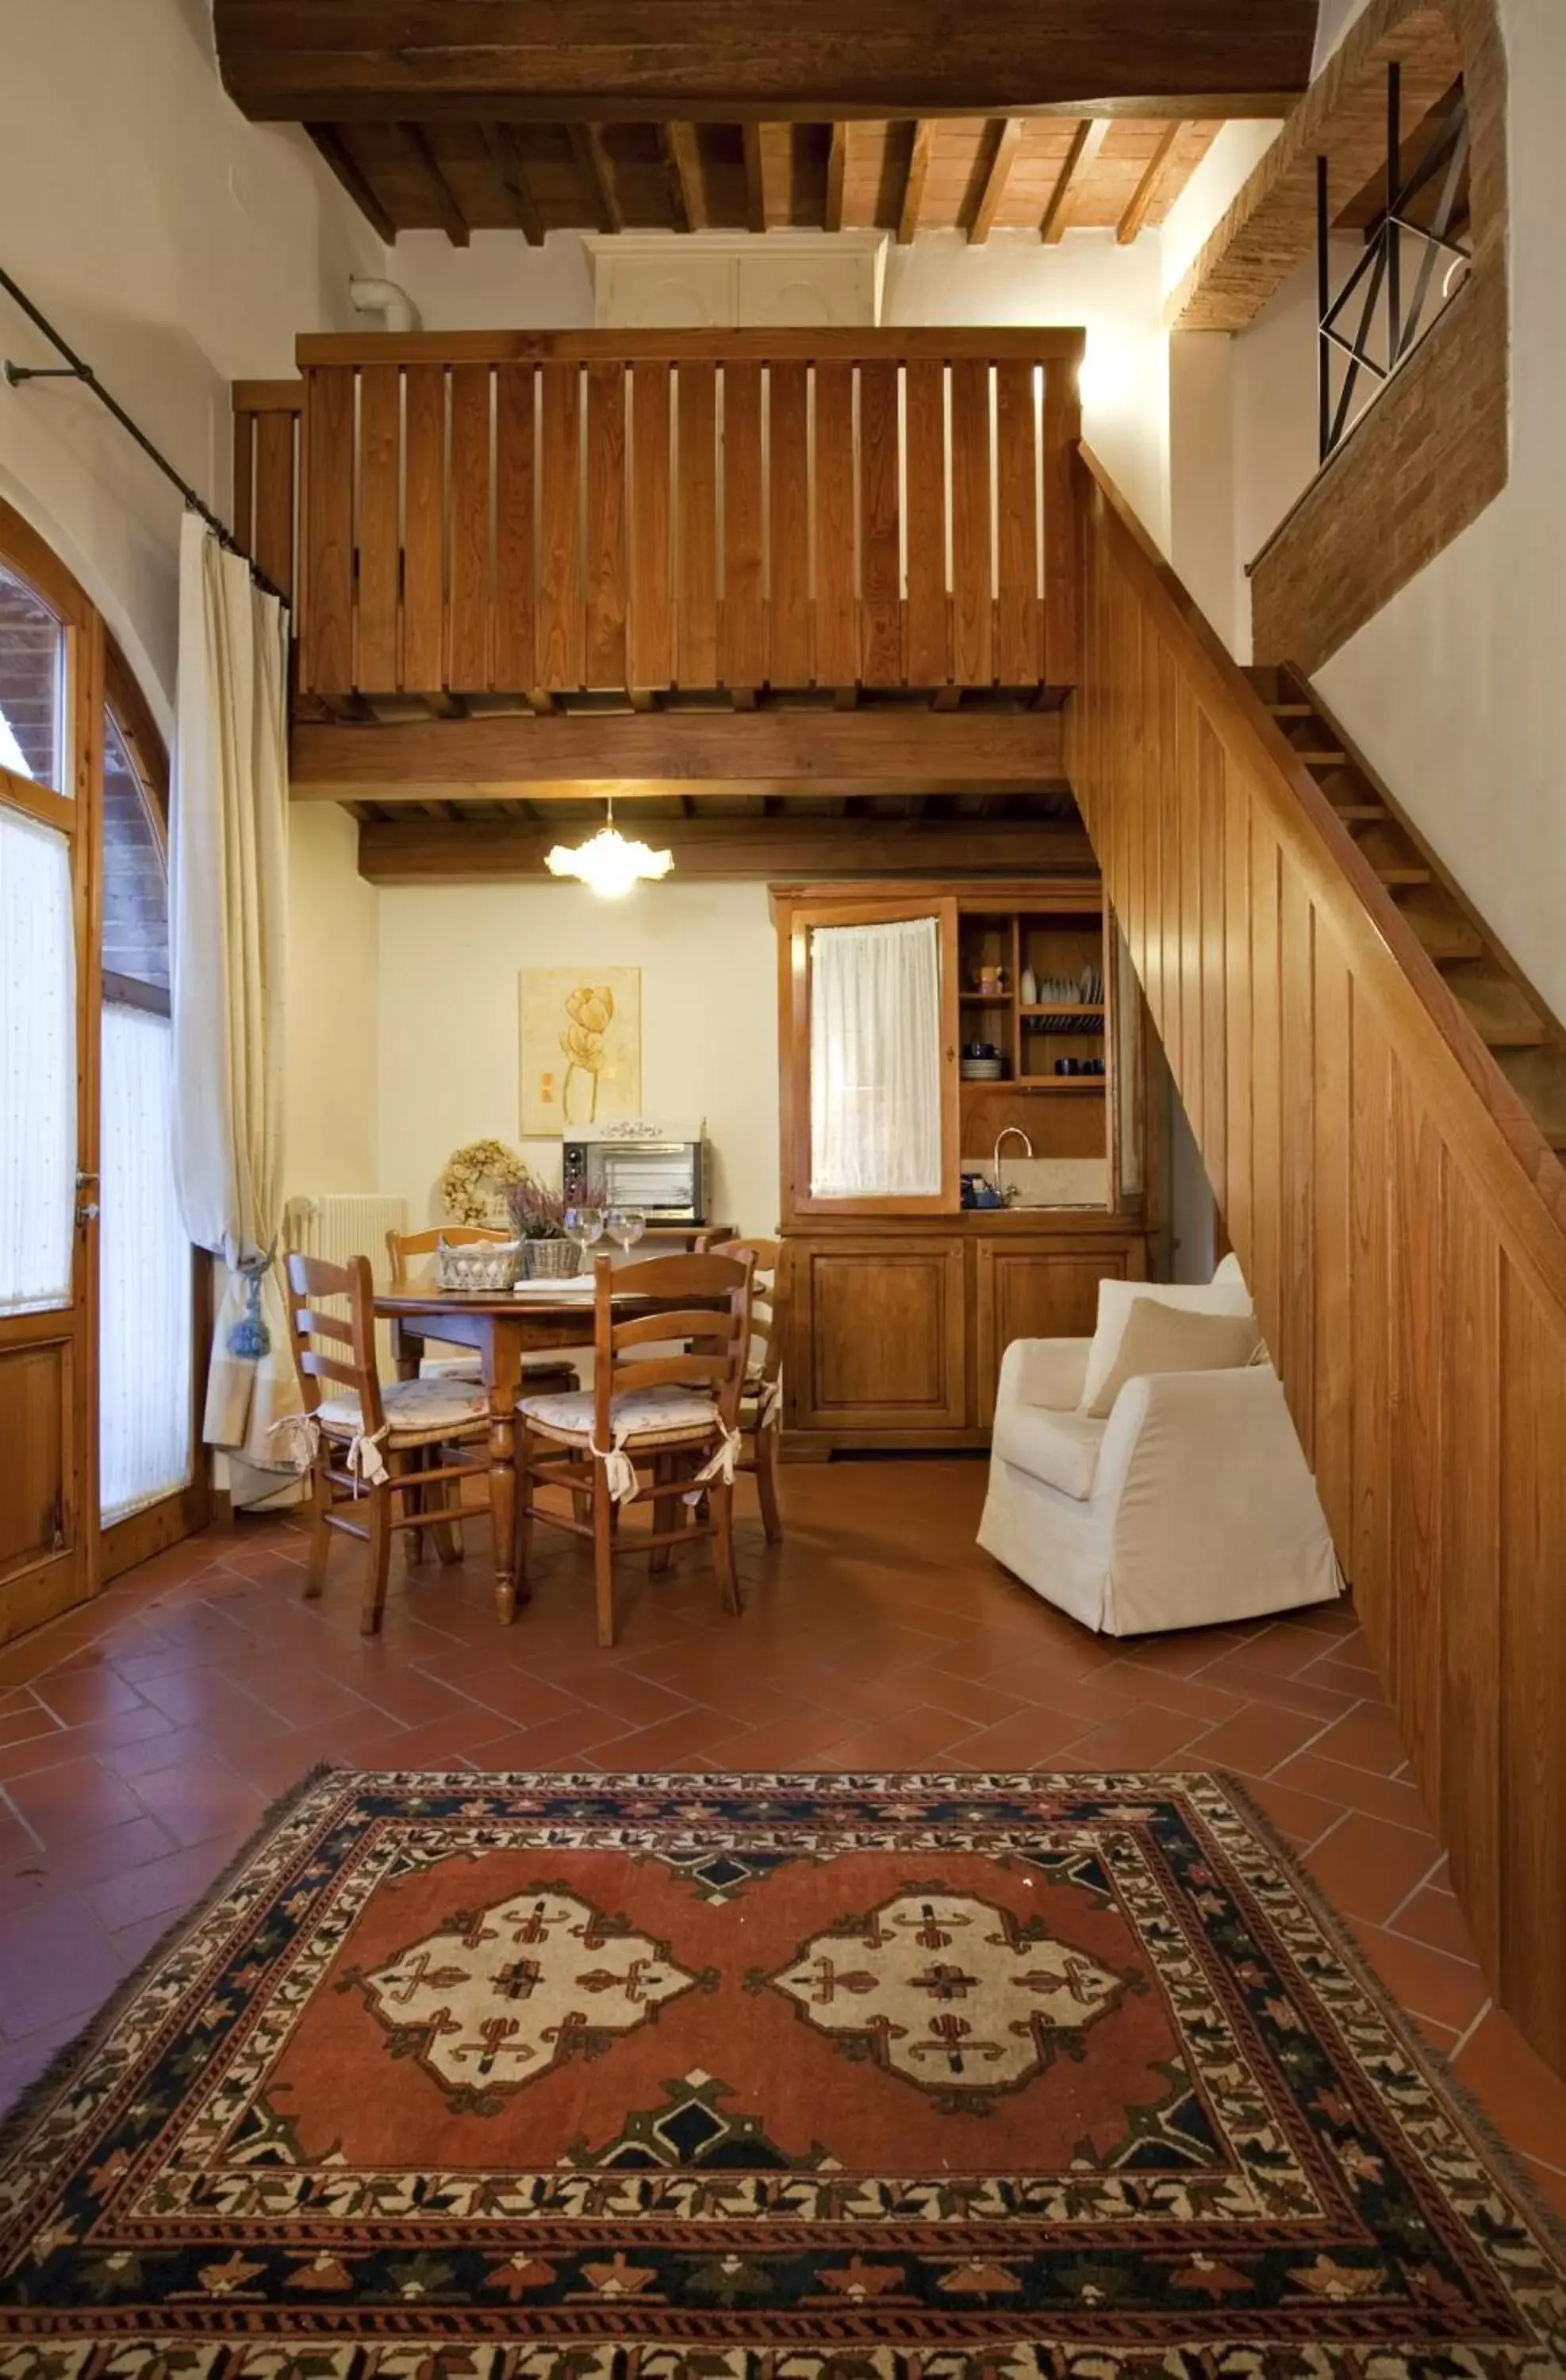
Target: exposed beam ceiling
{"type": "Point", "coordinates": [587, 142]}
{"type": "Point", "coordinates": [1085, 143]}
{"type": "Point", "coordinates": [1147, 188]}
{"type": "Point", "coordinates": [448, 214]}
{"type": "Point", "coordinates": [456, 60]}
{"type": "Point", "coordinates": [501, 142]}
{"type": "Point", "coordinates": [914, 188]}
{"type": "Point", "coordinates": [420, 850]}
{"type": "Point", "coordinates": [564, 756]}
{"type": "Point", "coordinates": [684, 168]}
{"type": "Point", "coordinates": [1271, 224]}
{"type": "Point", "coordinates": [1008, 140]}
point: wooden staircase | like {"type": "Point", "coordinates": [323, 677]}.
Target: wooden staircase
{"type": "Point", "coordinates": [1526, 1040]}
{"type": "Point", "coordinates": [1378, 1096]}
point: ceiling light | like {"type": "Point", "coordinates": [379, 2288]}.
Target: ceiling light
{"type": "Point", "coordinates": [607, 864]}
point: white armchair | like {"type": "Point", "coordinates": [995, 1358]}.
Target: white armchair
{"type": "Point", "coordinates": [1191, 1504]}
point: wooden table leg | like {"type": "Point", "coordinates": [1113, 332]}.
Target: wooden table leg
{"type": "Point", "coordinates": [503, 1372]}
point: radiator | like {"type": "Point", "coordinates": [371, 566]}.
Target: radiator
{"type": "Point", "coordinates": [336, 1227]}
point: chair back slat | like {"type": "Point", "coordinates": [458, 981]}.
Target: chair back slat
{"type": "Point", "coordinates": [406, 1251]}
{"type": "Point", "coordinates": [767, 1302]}
{"type": "Point", "coordinates": [723, 1330]}
{"type": "Point", "coordinates": [311, 1279]}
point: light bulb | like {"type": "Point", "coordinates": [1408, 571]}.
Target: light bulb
{"type": "Point", "coordinates": [608, 865]}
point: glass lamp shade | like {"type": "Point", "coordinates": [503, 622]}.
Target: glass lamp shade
{"type": "Point", "coordinates": [608, 865]}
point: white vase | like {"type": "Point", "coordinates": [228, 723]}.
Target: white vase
{"type": "Point", "coordinates": [1030, 989]}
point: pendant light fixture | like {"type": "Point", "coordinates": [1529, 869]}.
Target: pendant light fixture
{"type": "Point", "coordinates": [607, 864]}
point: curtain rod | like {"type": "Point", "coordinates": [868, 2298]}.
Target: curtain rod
{"type": "Point", "coordinates": [75, 369]}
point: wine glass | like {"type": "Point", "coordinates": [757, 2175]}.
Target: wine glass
{"type": "Point", "coordinates": [585, 1225]}
{"type": "Point", "coordinates": [625, 1224]}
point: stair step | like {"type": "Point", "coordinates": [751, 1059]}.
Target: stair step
{"type": "Point", "coordinates": [1395, 873]}
{"type": "Point", "coordinates": [1447, 936]}
{"type": "Point", "coordinates": [1502, 1015]}
{"type": "Point", "coordinates": [1291, 709]}
{"type": "Point", "coordinates": [1538, 1077]}
{"type": "Point", "coordinates": [1323, 760]}
{"type": "Point", "coordinates": [1361, 813]}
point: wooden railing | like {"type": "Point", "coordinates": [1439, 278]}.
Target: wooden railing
{"type": "Point", "coordinates": [551, 513]}
{"type": "Point", "coordinates": [1400, 1220]}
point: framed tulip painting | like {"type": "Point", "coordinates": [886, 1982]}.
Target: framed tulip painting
{"type": "Point", "coordinates": [581, 1048]}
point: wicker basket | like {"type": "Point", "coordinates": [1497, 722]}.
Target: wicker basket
{"type": "Point", "coordinates": [480, 1269]}
{"type": "Point", "coordinates": [549, 1260]}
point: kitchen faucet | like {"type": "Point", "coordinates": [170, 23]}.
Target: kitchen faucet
{"type": "Point", "coordinates": [1005, 1134]}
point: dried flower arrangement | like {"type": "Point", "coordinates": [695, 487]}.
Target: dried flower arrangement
{"type": "Point", "coordinates": [475, 1179]}
{"type": "Point", "coordinates": [537, 1212]}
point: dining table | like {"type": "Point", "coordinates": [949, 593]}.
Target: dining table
{"type": "Point", "coordinates": [501, 1327]}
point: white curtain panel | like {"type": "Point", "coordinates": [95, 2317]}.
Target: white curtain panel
{"type": "Point", "coordinates": [229, 894]}
{"type": "Point", "coordinates": [875, 1061]}
{"type": "Point", "coordinates": [37, 1066]}
{"type": "Point", "coordinates": [144, 1351]}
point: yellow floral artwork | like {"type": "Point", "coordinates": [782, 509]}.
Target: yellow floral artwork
{"type": "Point", "coordinates": [581, 1048]}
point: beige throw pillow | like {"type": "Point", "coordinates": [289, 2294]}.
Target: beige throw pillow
{"type": "Point", "coordinates": [1160, 1337]}
{"type": "Point", "coordinates": [1118, 1299]}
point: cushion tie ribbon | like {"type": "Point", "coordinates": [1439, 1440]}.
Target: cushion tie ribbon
{"type": "Point", "coordinates": [619, 1471]}
{"type": "Point", "coordinates": [299, 1436]}
{"type": "Point", "coordinates": [722, 1463]}
{"type": "Point", "coordinates": [365, 1460]}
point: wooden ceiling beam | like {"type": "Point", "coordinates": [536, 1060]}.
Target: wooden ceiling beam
{"type": "Point", "coordinates": [452, 850]}
{"type": "Point", "coordinates": [500, 139]}
{"type": "Point", "coordinates": [837, 161]}
{"type": "Point", "coordinates": [1009, 132]}
{"type": "Point", "coordinates": [566, 755]}
{"type": "Point", "coordinates": [1085, 143]}
{"type": "Point", "coordinates": [329, 61]}
{"type": "Point", "coordinates": [1145, 193]}
{"type": "Point", "coordinates": [755, 179]}
{"type": "Point", "coordinates": [448, 216]}
{"type": "Point", "coordinates": [593, 160]}
{"type": "Point", "coordinates": [335, 150]}
{"type": "Point", "coordinates": [914, 188]}
{"type": "Point", "coordinates": [687, 190]}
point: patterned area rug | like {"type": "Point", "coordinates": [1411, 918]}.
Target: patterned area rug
{"type": "Point", "coordinates": [838, 2077]}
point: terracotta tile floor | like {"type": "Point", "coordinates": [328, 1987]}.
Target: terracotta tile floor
{"type": "Point", "coordinates": [141, 1739]}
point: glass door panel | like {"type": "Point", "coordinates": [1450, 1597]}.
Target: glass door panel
{"type": "Point", "coordinates": [38, 1066]}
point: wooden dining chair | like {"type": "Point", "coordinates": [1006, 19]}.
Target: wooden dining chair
{"type": "Point", "coordinates": [409, 1255]}
{"type": "Point", "coordinates": [666, 1419]}
{"type": "Point", "coordinates": [760, 1407]}
{"type": "Point", "coordinates": [371, 1446]}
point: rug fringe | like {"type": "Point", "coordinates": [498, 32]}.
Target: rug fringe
{"type": "Point", "coordinates": [61, 2072]}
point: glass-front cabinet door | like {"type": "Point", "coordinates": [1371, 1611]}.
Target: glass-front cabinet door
{"type": "Point", "coordinates": [873, 1125]}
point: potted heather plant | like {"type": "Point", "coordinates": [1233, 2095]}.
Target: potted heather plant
{"type": "Point", "coordinates": [538, 1221]}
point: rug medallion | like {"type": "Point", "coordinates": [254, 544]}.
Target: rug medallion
{"type": "Point", "coordinates": [760, 2078]}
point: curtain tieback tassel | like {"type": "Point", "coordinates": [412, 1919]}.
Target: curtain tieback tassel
{"type": "Point", "coordinates": [722, 1463]}
{"type": "Point", "coordinates": [619, 1471]}
{"type": "Point", "coordinates": [249, 1337]}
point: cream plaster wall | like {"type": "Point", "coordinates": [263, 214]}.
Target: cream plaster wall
{"type": "Point", "coordinates": [449, 961]}
{"type": "Point", "coordinates": [178, 247]}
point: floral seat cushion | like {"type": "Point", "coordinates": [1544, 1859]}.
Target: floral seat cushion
{"type": "Point", "coordinates": [417, 1411]}
{"type": "Point", "coordinates": [645, 1418]}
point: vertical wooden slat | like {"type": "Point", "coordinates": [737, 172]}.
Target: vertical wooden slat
{"type": "Point", "coordinates": [696, 624]}
{"type": "Point", "coordinates": [1419, 1172]}
{"type": "Point", "coordinates": [1367, 1561]}
{"type": "Point", "coordinates": [1193, 733]}
{"type": "Point", "coordinates": [651, 639]}
{"type": "Point", "coordinates": [1152, 826]}
{"type": "Point", "coordinates": [1062, 430]}
{"type": "Point", "coordinates": [881, 608]}
{"type": "Point", "coordinates": [1332, 1132]}
{"type": "Point", "coordinates": [788, 468]}
{"type": "Point", "coordinates": [743, 657]}
{"type": "Point", "coordinates": [1018, 657]}
{"type": "Point", "coordinates": [1240, 1075]}
{"type": "Point", "coordinates": [1531, 1855]}
{"type": "Point", "coordinates": [972, 600]}
{"type": "Point", "coordinates": [1296, 1348]}
{"type": "Point", "coordinates": [424, 516]}
{"type": "Point", "coordinates": [329, 530]}
{"type": "Point", "coordinates": [1215, 1088]}
{"type": "Point", "coordinates": [468, 517]}
{"type": "Point", "coordinates": [1473, 1365]}
{"type": "Point", "coordinates": [606, 573]}
{"type": "Point", "coordinates": [515, 605]}
{"type": "Point", "coordinates": [273, 549]}
{"type": "Point", "coordinates": [929, 652]}
{"type": "Point", "coordinates": [379, 461]}
{"type": "Point", "coordinates": [1167, 793]}
{"type": "Point", "coordinates": [561, 618]}
{"type": "Point", "coordinates": [1267, 1042]}
{"type": "Point", "coordinates": [836, 637]}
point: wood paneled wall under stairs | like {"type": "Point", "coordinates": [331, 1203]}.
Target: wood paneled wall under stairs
{"type": "Point", "coordinates": [563, 513]}
{"type": "Point", "coordinates": [1400, 1216]}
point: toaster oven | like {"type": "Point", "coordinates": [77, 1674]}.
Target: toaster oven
{"type": "Point", "coordinates": [660, 1169]}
